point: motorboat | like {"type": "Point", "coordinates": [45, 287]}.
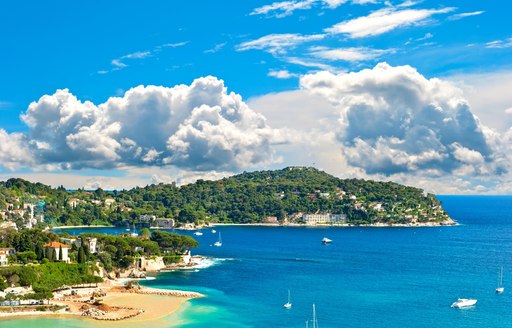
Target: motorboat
{"type": "Point", "coordinates": [214, 231]}
{"type": "Point", "coordinates": [326, 240]}
{"type": "Point", "coordinates": [463, 302]}
{"type": "Point", "coordinates": [198, 233]}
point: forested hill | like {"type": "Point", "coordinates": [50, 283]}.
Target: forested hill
{"type": "Point", "coordinates": [263, 196]}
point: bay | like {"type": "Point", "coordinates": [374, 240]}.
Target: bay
{"type": "Point", "coordinates": [368, 277]}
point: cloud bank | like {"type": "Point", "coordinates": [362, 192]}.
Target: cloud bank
{"type": "Point", "coordinates": [195, 127]}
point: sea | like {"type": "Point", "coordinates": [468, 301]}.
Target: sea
{"type": "Point", "coordinates": [367, 277]}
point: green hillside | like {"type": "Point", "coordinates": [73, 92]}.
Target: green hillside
{"type": "Point", "coordinates": [245, 198]}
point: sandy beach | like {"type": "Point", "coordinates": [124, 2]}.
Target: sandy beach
{"type": "Point", "coordinates": [120, 306]}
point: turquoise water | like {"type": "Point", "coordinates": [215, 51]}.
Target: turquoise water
{"type": "Point", "coordinates": [368, 277]}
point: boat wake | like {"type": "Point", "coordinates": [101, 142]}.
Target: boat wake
{"type": "Point", "coordinates": [206, 262]}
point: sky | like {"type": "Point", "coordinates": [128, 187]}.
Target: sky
{"type": "Point", "coordinates": [117, 94]}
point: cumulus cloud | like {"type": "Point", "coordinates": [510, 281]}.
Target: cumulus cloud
{"type": "Point", "coordinates": [199, 127]}
{"type": "Point", "coordinates": [384, 20]}
{"type": "Point", "coordinates": [13, 150]}
{"type": "Point", "coordinates": [393, 120]}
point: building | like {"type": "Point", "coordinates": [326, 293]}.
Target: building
{"type": "Point", "coordinates": [147, 218]}
{"type": "Point", "coordinates": [4, 255]}
{"type": "Point", "coordinates": [163, 223]}
{"type": "Point", "coordinates": [56, 246]}
{"type": "Point", "coordinates": [92, 243]}
{"type": "Point", "coordinates": [271, 219]}
{"type": "Point", "coordinates": [8, 224]}
{"type": "Point", "coordinates": [326, 218]}
{"type": "Point", "coordinates": [109, 201]}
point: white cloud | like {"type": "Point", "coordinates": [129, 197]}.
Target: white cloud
{"type": "Point", "coordinates": [281, 74]}
{"type": "Point", "coordinates": [14, 150]}
{"type": "Point", "coordinates": [137, 55]}
{"type": "Point", "coordinates": [499, 44]}
{"type": "Point", "coordinates": [278, 43]}
{"type": "Point", "coordinates": [309, 63]}
{"type": "Point", "coordinates": [284, 8]}
{"type": "Point", "coordinates": [175, 45]}
{"type": "Point", "coordinates": [393, 120]}
{"type": "Point", "coordinates": [349, 54]}
{"type": "Point", "coordinates": [216, 48]}
{"type": "Point", "coordinates": [489, 95]}
{"type": "Point", "coordinates": [384, 20]}
{"type": "Point", "coordinates": [196, 127]}
{"type": "Point", "coordinates": [464, 15]}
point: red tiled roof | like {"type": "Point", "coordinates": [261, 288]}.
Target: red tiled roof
{"type": "Point", "coordinates": [56, 244]}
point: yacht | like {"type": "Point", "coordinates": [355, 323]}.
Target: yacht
{"type": "Point", "coordinates": [326, 240]}
{"type": "Point", "coordinates": [500, 288]}
{"type": "Point", "coordinates": [463, 302]}
{"type": "Point", "coordinates": [288, 305]}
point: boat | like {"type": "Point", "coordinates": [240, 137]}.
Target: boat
{"type": "Point", "coordinates": [326, 240]}
{"type": "Point", "coordinates": [134, 233]}
{"type": "Point", "coordinates": [198, 233]}
{"type": "Point", "coordinates": [314, 321]}
{"type": "Point", "coordinates": [288, 305]}
{"type": "Point", "coordinates": [500, 288]}
{"type": "Point", "coordinates": [219, 242]}
{"type": "Point", "coordinates": [214, 231]}
{"type": "Point", "coordinates": [463, 303]}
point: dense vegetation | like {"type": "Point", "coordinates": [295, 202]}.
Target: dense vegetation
{"type": "Point", "coordinates": [244, 198]}
{"type": "Point", "coordinates": [34, 266]}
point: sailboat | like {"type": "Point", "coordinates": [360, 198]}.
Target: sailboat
{"type": "Point", "coordinates": [288, 305]}
{"type": "Point", "coordinates": [134, 233]}
{"type": "Point", "coordinates": [219, 242]}
{"type": "Point", "coordinates": [500, 288]}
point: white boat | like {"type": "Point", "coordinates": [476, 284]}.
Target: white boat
{"type": "Point", "coordinates": [198, 233]}
{"type": "Point", "coordinates": [326, 240]}
{"type": "Point", "coordinates": [314, 321]}
{"type": "Point", "coordinates": [463, 302]}
{"type": "Point", "coordinates": [288, 305]}
{"type": "Point", "coordinates": [214, 231]}
{"type": "Point", "coordinates": [219, 242]}
{"type": "Point", "coordinates": [500, 288]}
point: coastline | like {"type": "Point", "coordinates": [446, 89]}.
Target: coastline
{"type": "Point", "coordinates": [450, 223]}
{"type": "Point", "coordinates": [120, 304]}
{"type": "Point", "coordinates": [82, 226]}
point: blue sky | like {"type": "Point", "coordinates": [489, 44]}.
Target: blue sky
{"type": "Point", "coordinates": [299, 70]}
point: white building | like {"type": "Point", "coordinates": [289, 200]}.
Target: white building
{"type": "Point", "coordinates": [326, 218]}
{"type": "Point", "coordinates": [56, 246]}
{"type": "Point", "coordinates": [4, 255]}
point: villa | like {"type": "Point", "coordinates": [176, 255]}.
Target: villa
{"type": "Point", "coordinates": [56, 246]}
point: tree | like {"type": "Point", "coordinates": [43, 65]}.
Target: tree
{"type": "Point", "coordinates": [50, 254]}
{"type": "Point", "coordinates": [81, 255]}
{"type": "Point", "coordinates": [145, 232]}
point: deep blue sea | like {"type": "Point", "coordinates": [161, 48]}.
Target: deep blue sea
{"type": "Point", "coordinates": [368, 277]}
